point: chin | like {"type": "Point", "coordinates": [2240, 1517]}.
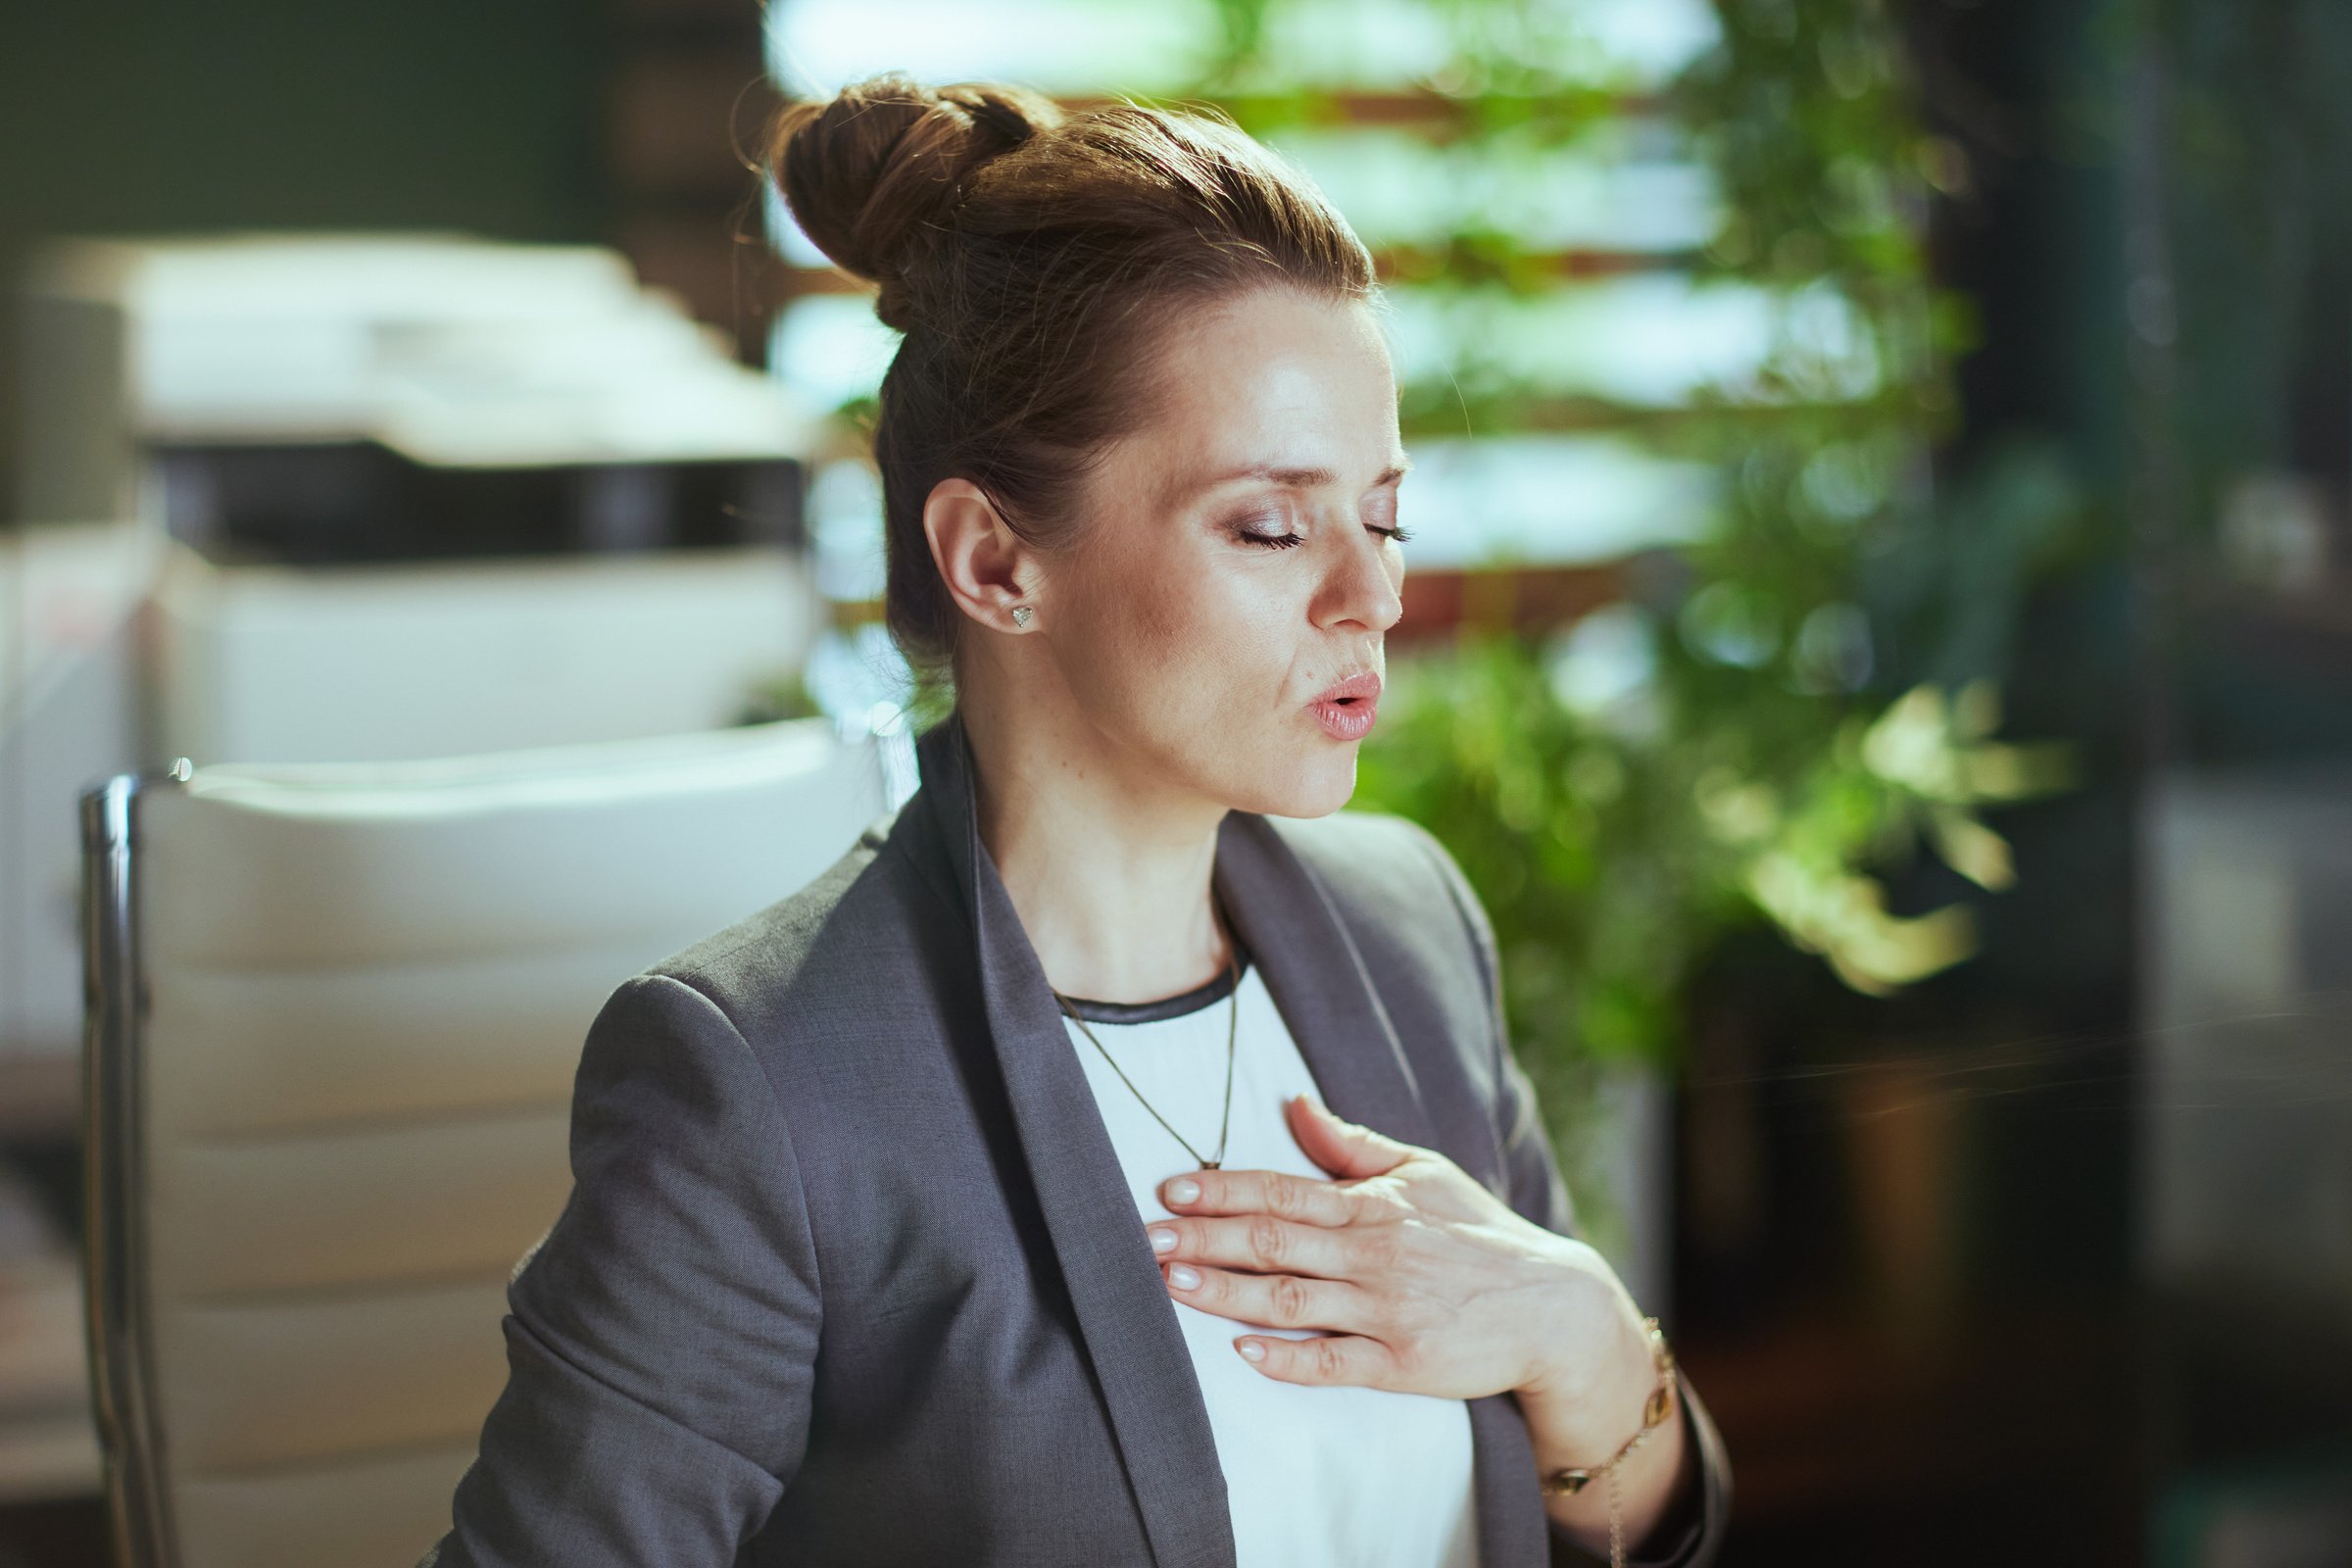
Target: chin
{"type": "Point", "coordinates": [1315, 785]}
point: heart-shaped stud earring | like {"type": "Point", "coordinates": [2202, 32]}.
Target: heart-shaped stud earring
{"type": "Point", "coordinates": [1021, 614]}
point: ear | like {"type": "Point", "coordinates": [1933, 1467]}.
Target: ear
{"type": "Point", "coordinates": [987, 567]}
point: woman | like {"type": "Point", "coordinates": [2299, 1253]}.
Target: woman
{"type": "Point", "coordinates": [977, 1203]}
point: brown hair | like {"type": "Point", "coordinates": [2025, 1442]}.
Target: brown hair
{"type": "Point", "coordinates": [1030, 254]}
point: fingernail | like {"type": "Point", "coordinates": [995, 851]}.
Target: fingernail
{"type": "Point", "coordinates": [1163, 1240]}
{"type": "Point", "coordinates": [1184, 1189]}
{"type": "Point", "coordinates": [1182, 1277]}
{"type": "Point", "coordinates": [1251, 1350]}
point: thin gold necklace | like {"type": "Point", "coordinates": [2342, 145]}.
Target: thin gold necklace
{"type": "Point", "coordinates": [1232, 1029]}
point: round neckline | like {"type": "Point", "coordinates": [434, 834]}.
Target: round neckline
{"type": "Point", "coordinates": [1164, 1008]}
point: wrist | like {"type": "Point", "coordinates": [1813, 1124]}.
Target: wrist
{"type": "Point", "coordinates": [1610, 1468]}
{"type": "Point", "coordinates": [1598, 1369]}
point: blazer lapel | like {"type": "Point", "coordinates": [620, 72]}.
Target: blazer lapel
{"type": "Point", "coordinates": [1325, 993]}
{"type": "Point", "coordinates": [1318, 981]}
{"type": "Point", "coordinates": [1127, 1324]}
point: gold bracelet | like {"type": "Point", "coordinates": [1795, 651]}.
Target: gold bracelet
{"type": "Point", "coordinates": [1568, 1483]}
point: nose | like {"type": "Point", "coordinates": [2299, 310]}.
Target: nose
{"type": "Point", "coordinates": [1362, 585]}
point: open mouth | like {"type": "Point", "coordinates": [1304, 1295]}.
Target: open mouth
{"type": "Point", "coordinates": [1346, 710]}
{"type": "Point", "coordinates": [1360, 690]}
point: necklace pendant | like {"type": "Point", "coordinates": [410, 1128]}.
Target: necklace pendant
{"type": "Point", "coordinates": [1212, 1164]}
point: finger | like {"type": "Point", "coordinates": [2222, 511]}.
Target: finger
{"type": "Point", "coordinates": [1302, 1199]}
{"type": "Point", "coordinates": [1332, 1359]}
{"type": "Point", "coordinates": [1342, 1148]}
{"type": "Point", "coordinates": [1272, 1300]}
{"type": "Point", "coordinates": [1261, 1243]}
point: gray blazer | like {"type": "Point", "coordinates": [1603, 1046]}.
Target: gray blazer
{"type": "Point", "coordinates": [850, 1274]}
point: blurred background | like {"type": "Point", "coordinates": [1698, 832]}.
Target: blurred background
{"type": "Point", "coordinates": [1879, 631]}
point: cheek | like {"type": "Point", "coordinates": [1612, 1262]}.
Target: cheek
{"type": "Point", "coordinates": [1165, 622]}
{"type": "Point", "coordinates": [1220, 638]}
{"type": "Point", "coordinates": [1192, 662]}
{"type": "Point", "coordinates": [1198, 669]}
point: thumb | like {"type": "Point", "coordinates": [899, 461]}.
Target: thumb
{"type": "Point", "coordinates": [1342, 1148]}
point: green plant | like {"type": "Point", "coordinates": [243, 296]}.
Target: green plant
{"type": "Point", "coordinates": [1806, 695]}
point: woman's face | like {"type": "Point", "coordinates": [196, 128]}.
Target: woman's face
{"type": "Point", "coordinates": [1238, 560]}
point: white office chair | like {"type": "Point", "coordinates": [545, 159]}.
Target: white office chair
{"type": "Point", "coordinates": [334, 1015]}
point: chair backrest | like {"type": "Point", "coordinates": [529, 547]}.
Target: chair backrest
{"type": "Point", "coordinates": [336, 1013]}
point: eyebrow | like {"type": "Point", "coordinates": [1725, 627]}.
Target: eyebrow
{"type": "Point", "coordinates": [1296, 478]}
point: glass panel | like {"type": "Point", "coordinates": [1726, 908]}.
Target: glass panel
{"type": "Point", "coordinates": [1094, 46]}
{"type": "Point", "coordinates": [1398, 188]}
{"type": "Point", "coordinates": [1058, 46]}
{"type": "Point", "coordinates": [831, 348]}
{"type": "Point", "coordinates": [1653, 340]}
{"type": "Point", "coordinates": [1548, 501]}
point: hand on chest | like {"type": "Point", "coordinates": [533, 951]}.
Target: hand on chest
{"type": "Point", "coordinates": [1298, 1461]}
{"type": "Point", "coordinates": [1169, 1090]}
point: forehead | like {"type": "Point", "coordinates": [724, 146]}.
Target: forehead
{"type": "Point", "coordinates": [1275, 377]}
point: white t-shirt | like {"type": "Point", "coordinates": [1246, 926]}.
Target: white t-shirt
{"type": "Point", "coordinates": [1316, 1476]}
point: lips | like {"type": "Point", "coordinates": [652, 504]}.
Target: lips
{"type": "Point", "coordinates": [1347, 711]}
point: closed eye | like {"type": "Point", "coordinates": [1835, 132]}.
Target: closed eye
{"type": "Point", "coordinates": [1289, 541]}
{"type": "Point", "coordinates": [1274, 541]}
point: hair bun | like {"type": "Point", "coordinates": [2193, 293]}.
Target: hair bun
{"type": "Point", "coordinates": [870, 172]}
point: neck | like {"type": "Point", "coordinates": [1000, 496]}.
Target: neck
{"type": "Point", "coordinates": [1107, 868]}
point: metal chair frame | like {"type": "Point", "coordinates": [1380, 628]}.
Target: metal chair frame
{"type": "Point", "coordinates": [117, 1317]}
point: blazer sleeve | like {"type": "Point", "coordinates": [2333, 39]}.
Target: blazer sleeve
{"type": "Point", "coordinates": [1691, 1534]}
{"type": "Point", "coordinates": [662, 1338]}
